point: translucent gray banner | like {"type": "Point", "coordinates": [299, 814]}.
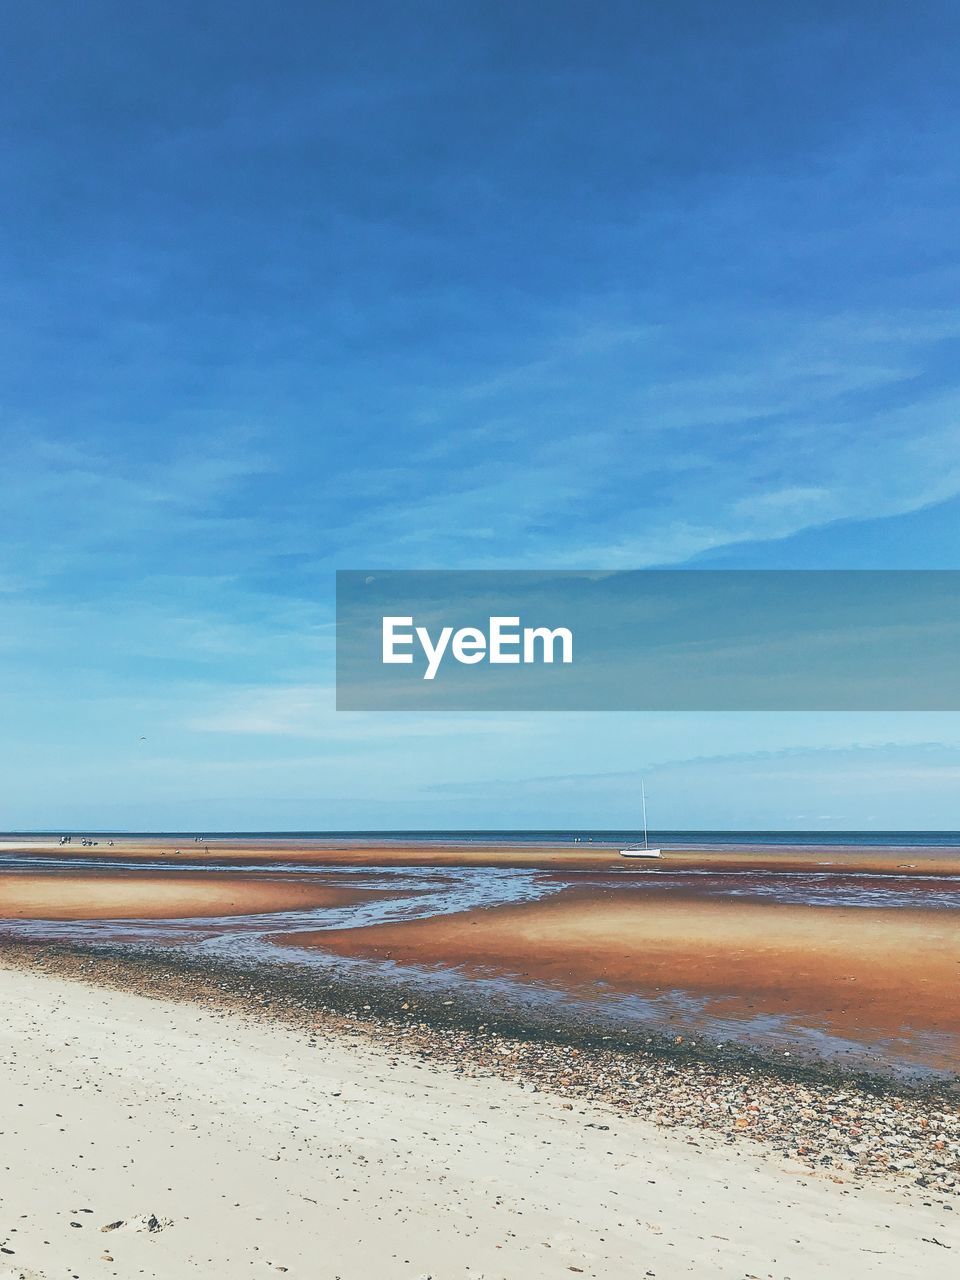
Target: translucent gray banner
{"type": "Point", "coordinates": [650, 640]}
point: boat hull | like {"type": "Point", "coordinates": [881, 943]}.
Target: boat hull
{"type": "Point", "coordinates": [640, 853]}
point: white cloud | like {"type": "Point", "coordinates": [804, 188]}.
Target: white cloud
{"type": "Point", "coordinates": [308, 711]}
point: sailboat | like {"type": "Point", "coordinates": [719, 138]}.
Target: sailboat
{"type": "Point", "coordinates": [646, 851]}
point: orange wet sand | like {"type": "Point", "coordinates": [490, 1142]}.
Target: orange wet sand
{"type": "Point", "coordinates": [164, 896]}
{"type": "Point", "coordinates": [880, 972]}
{"type": "Point", "coordinates": [584, 857]}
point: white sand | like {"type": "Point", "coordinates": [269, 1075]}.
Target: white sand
{"type": "Point", "coordinates": [266, 1154]}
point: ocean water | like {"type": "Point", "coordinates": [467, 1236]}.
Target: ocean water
{"type": "Point", "coordinates": [672, 839]}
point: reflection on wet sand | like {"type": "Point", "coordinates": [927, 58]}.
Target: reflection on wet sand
{"type": "Point", "coordinates": [823, 946]}
{"type": "Point", "coordinates": [161, 895]}
{"type": "Point", "coordinates": [857, 972]}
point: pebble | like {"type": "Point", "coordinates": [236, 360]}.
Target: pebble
{"type": "Point", "coordinates": [842, 1129]}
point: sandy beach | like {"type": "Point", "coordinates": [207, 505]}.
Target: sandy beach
{"type": "Point", "coordinates": [173, 895]}
{"type": "Point", "coordinates": [208, 1143]}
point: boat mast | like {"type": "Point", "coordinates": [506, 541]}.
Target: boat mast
{"type": "Point", "coordinates": [643, 801]}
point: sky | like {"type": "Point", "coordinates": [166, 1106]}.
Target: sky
{"type": "Point", "coordinates": [457, 285]}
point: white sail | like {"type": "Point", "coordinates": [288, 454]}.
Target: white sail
{"type": "Point", "coordinates": [646, 851]}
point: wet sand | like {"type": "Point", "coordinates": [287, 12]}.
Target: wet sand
{"type": "Point", "coordinates": [854, 954]}
{"type": "Point", "coordinates": [160, 896]}
{"type": "Point", "coordinates": [148, 1138]}
{"type": "Point", "coordinates": [547, 857]}
{"type": "Point", "coordinates": [864, 973]}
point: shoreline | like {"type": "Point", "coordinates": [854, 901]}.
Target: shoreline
{"type": "Point", "coordinates": [840, 1123]}
{"type": "Point", "coordinates": [857, 967]}
{"type": "Point", "coordinates": [868, 975]}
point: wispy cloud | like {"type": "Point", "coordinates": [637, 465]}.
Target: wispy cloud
{"type": "Point", "coordinates": [89, 514]}
{"type": "Point", "coordinates": [308, 712]}
{"type": "Point", "coordinates": [600, 465]}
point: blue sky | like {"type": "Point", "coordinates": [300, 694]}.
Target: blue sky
{"type": "Point", "coordinates": [457, 285]}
